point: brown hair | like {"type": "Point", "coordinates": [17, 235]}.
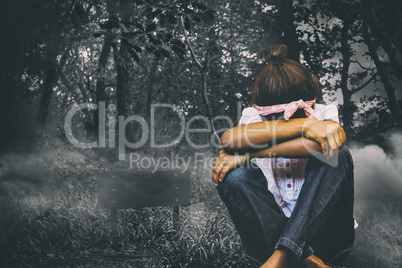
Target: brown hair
{"type": "Point", "coordinates": [283, 80]}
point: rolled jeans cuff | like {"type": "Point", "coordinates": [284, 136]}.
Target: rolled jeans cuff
{"type": "Point", "coordinates": [308, 251]}
{"type": "Point", "coordinates": [286, 242]}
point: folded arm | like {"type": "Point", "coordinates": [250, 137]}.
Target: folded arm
{"type": "Point", "coordinates": [289, 149]}
{"type": "Point", "coordinates": [298, 137]}
{"type": "Point", "coordinates": [296, 148]}
{"type": "Point", "coordinates": [253, 137]}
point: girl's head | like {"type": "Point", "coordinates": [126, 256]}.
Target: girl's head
{"type": "Point", "coordinates": [283, 80]}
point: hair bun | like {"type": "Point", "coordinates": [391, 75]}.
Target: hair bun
{"type": "Point", "coordinates": [275, 53]}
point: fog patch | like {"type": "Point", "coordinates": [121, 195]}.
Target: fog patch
{"type": "Point", "coordinates": [378, 199]}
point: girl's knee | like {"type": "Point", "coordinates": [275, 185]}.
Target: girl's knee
{"type": "Point", "coordinates": [346, 160]}
{"type": "Point", "coordinates": [345, 155]}
{"type": "Point", "coordinates": [233, 183]}
{"type": "Point", "coordinates": [236, 177]}
{"type": "Point", "coordinates": [239, 178]}
{"type": "Point", "coordinates": [342, 170]}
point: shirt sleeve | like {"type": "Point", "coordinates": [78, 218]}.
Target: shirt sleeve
{"type": "Point", "coordinates": [327, 112]}
{"type": "Point", "coordinates": [331, 113]}
{"type": "Point", "coordinates": [250, 115]}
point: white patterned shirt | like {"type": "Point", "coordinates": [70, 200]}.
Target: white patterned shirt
{"type": "Point", "coordinates": [286, 176]}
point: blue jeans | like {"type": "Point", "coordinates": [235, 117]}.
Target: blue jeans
{"type": "Point", "coordinates": [321, 223]}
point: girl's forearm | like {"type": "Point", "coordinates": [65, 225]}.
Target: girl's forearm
{"type": "Point", "coordinates": [296, 148]}
{"type": "Point", "coordinates": [257, 136]}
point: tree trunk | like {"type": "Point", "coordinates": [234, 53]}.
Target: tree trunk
{"type": "Point", "coordinates": [51, 77]}
{"type": "Point", "coordinates": [7, 110]}
{"type": "Point", "coordinates": [203, 68]}
{"type": "Point", "coordinates": [289, 29]}
{"type": "Point", "coordinates": [121, 58]}
{"type": "Point", "coordinates": [151, 77]}
{"type": "Point", "coordinates": [100, 81]}
{"type": "Point", "coordinates": [390, 90]}
{"type": "Point", "coordinates": [101, 71]}
{"type": "Point", "coordinates": [207, 103]}
{"type": "Point", "coordinates": [347, 115]}
{"type": "Point", "coordinates": [385, 42]}
{"type": "Point", "coordinates": [347, 112]}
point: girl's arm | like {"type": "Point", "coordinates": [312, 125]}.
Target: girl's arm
{"type": "Point", "coordinates": [288, 149]}
{"type": "Point", "coordinates": [269, 134]}
{"type": "Point", "coordinates": [298, 137]}
{"type": "Point", "coordinates": [262, 134]}
{"type": "Point", "coordinates": [296, 148]}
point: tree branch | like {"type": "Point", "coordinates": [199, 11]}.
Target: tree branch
{"type": "Point", "coordinates": [204, 74]}
{"type": "Point", "coordinates": [354, 90]}
{"type": "Point", "coordinates": [197, 62]}
{"type": "Point", "coordinates": [361, 66]}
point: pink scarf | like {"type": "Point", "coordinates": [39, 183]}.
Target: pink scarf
{"type": "Point", "coordinates": [289, 109]}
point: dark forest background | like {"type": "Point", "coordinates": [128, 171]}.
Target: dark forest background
{"type": "Point", "coordinates": [201, 56]}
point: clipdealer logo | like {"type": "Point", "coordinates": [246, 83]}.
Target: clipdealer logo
{"type": "Point", "coordinates": [147, 128]}
{"type": "Point", "coordinates": [108, 116]}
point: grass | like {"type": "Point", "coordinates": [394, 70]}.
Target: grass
{"type": "Point", "coordinates": [53, 221]}
{"type": "Point", "coordinates": [378, 241]}
{"type": "Point", "coordinates": [42, 233]}
{"type": "Point", "coordinates": [56, 223]}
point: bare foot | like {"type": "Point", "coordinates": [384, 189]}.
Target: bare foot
{"type": "Point", "coordinates": [279, 259]}
{"type": "Point", "coordinates": [314, 262]}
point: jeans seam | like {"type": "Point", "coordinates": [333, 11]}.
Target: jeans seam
{"type": "Point", "coordinates": [307, 253]}
{"type": "Point", "coordinates": [300, 251]}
